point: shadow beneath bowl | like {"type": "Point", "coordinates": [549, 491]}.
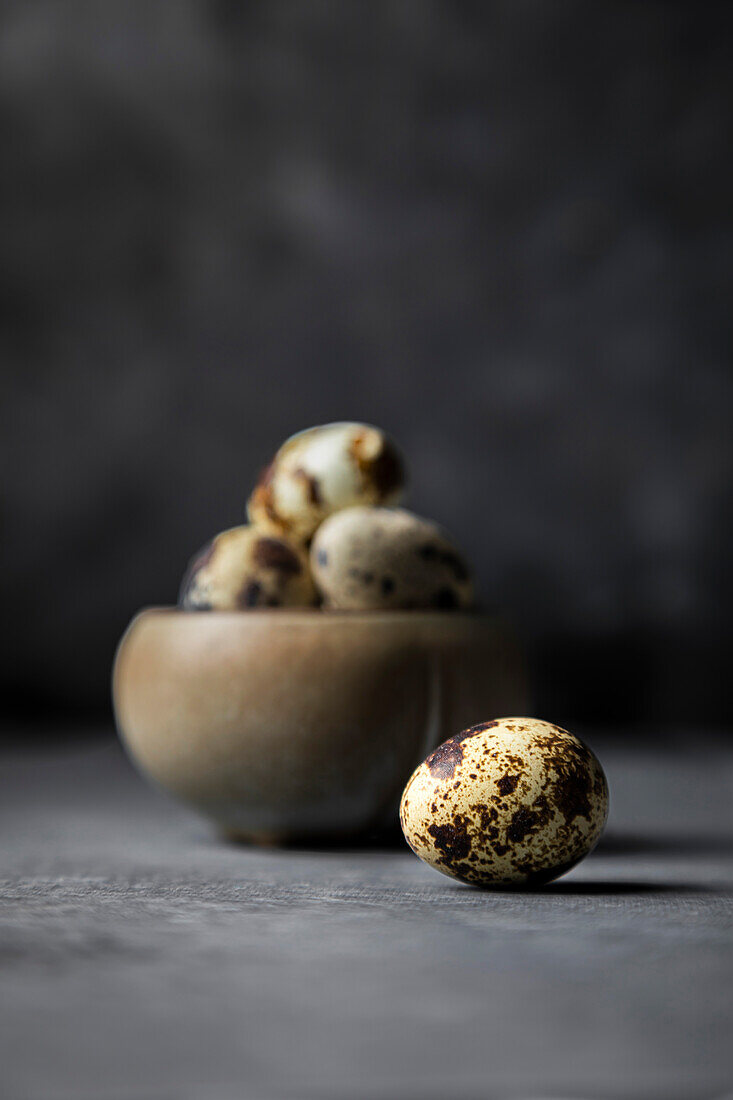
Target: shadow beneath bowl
{"type": "Point", "coordinates": [386, 840]}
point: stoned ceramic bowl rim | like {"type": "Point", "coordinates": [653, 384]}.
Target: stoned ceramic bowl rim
{"type": "Point", "coordinates": [319, 614]}
{"type": "Point", "coordinates": [317, 617]}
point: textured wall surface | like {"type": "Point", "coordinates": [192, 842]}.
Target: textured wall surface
{"type": "Point", "coordinates": [500, 230]}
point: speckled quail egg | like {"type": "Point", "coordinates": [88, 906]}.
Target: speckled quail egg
{"type": "Point", "coordinates": [371, 558]}
{"type": "Point", "coordinates": [512, 802]}
{"type": "Point", "coordinates": [244, 568]}
{"type": "Point", "coordinates": [323, 469]}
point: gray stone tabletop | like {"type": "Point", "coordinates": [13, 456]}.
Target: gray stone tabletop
{"type": "Point", "coordinates": [142, 957]}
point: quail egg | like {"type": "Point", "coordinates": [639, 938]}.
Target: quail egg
{"type": "Point", "coordinates": [323, 469]}
{"type": "Point", "coordinates": [511, 802]}
{"type": "Point", "coordinates": [371, 558]}
{"type": "Point", "coordinates": [244, 568]}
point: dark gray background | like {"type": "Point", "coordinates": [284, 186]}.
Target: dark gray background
{"type": "Point", "coordinates": [500, 230]}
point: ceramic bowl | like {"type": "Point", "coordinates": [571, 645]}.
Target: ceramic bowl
{"type": "Point", "coordinates": [284, 725]}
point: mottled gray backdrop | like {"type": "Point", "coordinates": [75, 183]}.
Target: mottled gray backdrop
{"type": "Point", "coordinates": [499, 229]}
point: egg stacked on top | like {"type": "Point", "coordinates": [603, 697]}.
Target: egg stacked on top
{"type": "Point", "coordinates": [323, 532]}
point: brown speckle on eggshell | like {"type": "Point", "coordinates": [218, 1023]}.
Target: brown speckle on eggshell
{"type": "Point", "coordinates": [321, 470]}
{"type": "Point", "coordinates": [242, 568]}
{"type": "Point", "coordinates": [370, 559]}
{"type": "Point", "coordinates": [511, 802]}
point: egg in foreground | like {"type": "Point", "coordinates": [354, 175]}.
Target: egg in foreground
{"type": "Point", "coordinates": [511, 802]}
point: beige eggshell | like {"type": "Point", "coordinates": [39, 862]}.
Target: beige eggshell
{"type": "Point", "coordinates": [515, 801]}
{"type": "Point", "coordinates": [321, 470]}
{"type": "Point", "coordinates": [244, 568]}
{"type": "Point", "coordinates": [387, 558]}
